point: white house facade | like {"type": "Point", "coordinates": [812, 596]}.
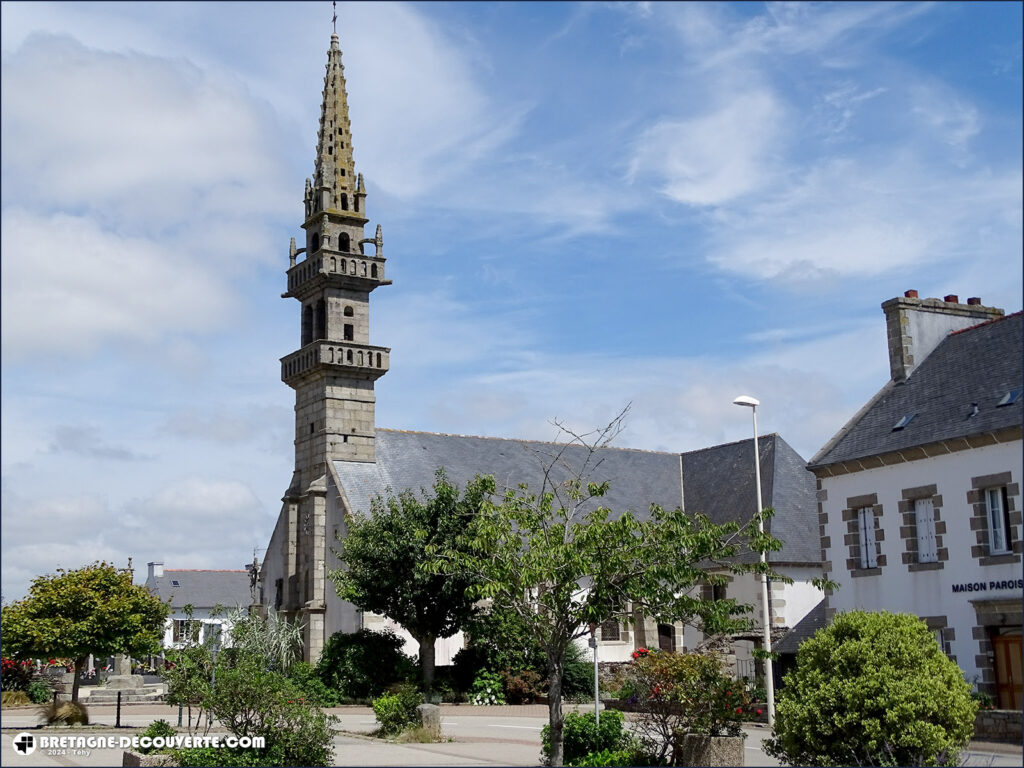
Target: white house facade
{"type": "Point", "coordinates": [201, 601]}
{"type": "Point", "coordinates": [919, 495]}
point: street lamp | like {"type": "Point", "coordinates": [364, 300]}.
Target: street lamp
{"type": "Point", "coordinates": [769, 682]}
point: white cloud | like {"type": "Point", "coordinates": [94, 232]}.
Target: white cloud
{"type": "Point", "coordinates": [191, 523]}
{"type": "Point", "coordinates": [421, 118]}
{"type": "Point", "coordinates": [716, 157]}
{"type": "Point", "coordinates": [68, 285]}
{"type": "Point", "coordinates": [851, 218]}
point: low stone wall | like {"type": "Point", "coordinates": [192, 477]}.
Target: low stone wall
{"type": "Point", "coordinates": [998, 725]}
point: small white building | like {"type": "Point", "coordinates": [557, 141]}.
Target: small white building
{"type": "Point", "coordinates": [919, 494]}
{"type": "Point", "coordinates": [212, 595]}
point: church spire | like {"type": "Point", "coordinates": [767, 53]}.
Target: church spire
{"type": "Point", "coordinates": [334, 188]}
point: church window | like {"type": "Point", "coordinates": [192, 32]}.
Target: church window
{"type": "Point", "coordinates": [344, 202]}
{"type": "Point", "coordinates": [610, 629]}
{"type": "Point", "coordinates": [357, 203]}
{"type": "Point", "coordinates": [344, 243]}
{"type": "Point", "coordinates": [349, 312]}
{"type": "Point", "coordinates": [378, 359]}
{"type": "Point", "coordinates": [349, 329]}
{"type": "Point", "coordinates": [359, 358]}
{"type": "Point", "coordinates": [321, 319]}
{"type": "Point", "coordinates": [364, 268]}
{"type": "Point", "coordinates": [312, 428]}
{"type": "Point", "coordinates": [330, 150]}
{"type": "Point", "coordinates": [352, 264]}
{"type": "Point", "coordinates": [342, 171]}
{"type": "Point", "coordinates": [343, 266]}
{"type": "Point", "coordinates": [348, 356]}
{"type": "Point", "coordinates": [373, 270]}
{"type": "Point", "coordinates": [307, 324]}
{"type": "Point", "coordinates": [315, 243]}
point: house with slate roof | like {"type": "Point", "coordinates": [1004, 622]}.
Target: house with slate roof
{"type": "Point", "coordinates": [342, 460]}
{"type": "Point", "coordinates": [919, 494]}
{"type": "Point", "coordinates": [211, 594]}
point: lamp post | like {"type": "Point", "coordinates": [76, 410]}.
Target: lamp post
{"type": "Point", "coordinates": [769, 682]}
{"type": "Point", "coordinates": [597, 698]}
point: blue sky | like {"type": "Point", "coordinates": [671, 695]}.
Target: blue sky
{"type": "Point", "coordinates": [583, 205]}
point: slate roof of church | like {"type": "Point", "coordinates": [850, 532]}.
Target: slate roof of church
{"type": "Point", "coordinates": [979, 365]}
{"type": "Point", "coordinates": [202, 589]}
{"type": "Point", "coordinates": [718, 481]}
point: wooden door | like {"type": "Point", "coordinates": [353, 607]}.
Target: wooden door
{"type": "Point", "coordinates": [1008, 649]}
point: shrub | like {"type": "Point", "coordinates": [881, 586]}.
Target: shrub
{"type": "Point", "coordinates": [396, 711]}
{"type": "Point", "coordinates": [679, 693]}
{"type": "Point", "coordinates": [305, 677]}
{"type": "Point", "coordinates": [16, 699]}
{"type": "Point", "coordinates": [39, 691]}
{"type": "Point", "coordinates": [216, 757]}
{"type": "Point", "coordinates": [158, 729]}
{"type": "Point", "coordinates": [15, 675]}
{"type": "Point", "coordinates": [488, 688]}
{"type": "Point", "coordinates": [583, 736]}
{"type": "Point", "coordinates": [65, 713]}
{"type": "Point", "coordinates": [577, 675]}
{"type": "Point", "coordinates": [523, 687]}
{"type": "Point", "coordinates": [872, 689]}
{"type": "Point", "coordinates": [363, 664]}
{"type": "Point", "coordinates": [613, 757]}
{"type": "Point", "coordinates": [466, 665]}
{"type": "Point", "coordinates": [250, 700]}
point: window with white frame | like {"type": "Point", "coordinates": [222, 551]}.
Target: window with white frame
{"type": "Point", "coordinates": [866, 536]}
{"type": "Point", "coordinates": [998, 520]}
{"type": "Point", "coordinates": [924, 513]}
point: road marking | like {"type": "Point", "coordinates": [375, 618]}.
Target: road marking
{"type": "Point", "coordinates": [527, 727]}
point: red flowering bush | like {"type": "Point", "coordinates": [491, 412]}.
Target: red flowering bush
{"type": "Point", "coordinates": [15, 675]}
{"type": "Point", "coordinates": [679, 693]}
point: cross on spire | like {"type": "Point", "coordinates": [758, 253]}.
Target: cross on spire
{"type": "Point", "coordinates": [334, 20]}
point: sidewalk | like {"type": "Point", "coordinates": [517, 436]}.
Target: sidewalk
{"type": "Point", "coordinates": [483, 736]}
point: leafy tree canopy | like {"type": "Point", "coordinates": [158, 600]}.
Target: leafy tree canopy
{"type": "Point", "coordinates": [382, 553]}
{"type": "Point", "coordinates": [96, 609]}
{"type": "Point", "coordinates": [564, 563]}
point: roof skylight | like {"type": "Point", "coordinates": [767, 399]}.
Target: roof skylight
{"type": "Point", "coordinates": [903, 422]}
{"type": "Point", "coordinates": [1010, 397]}
{"type": "Point", "coordinates": [174, 583]}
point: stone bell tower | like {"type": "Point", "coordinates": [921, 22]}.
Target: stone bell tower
{"type": "Point", "coordinates": [334, 369]}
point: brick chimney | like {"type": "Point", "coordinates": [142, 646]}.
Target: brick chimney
{"type": "Point", "coordinates": [915, 326]}
{"type": "Point", "coordinates": [156, 570]}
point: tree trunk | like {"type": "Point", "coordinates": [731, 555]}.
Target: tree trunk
{"type": "Point", "coordinates": [79, 667]}
{"type": "Point", "coordinates": [555, 717]}
{"type": "Point", "coordinates": [427, 661]}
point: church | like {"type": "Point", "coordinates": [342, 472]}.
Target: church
{"type": "Point", "coordinates": [343, 460]}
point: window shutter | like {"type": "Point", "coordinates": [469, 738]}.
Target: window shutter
{"type": "Point", "coordinates": [925, 519]}
{"type": "Point", "coordinates": [997, 529]}
{"type": "Point", "coordinates": [868, 557]}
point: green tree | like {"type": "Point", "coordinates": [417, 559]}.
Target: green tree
{"type": "Point", "coordinates": [92, 610]}
{"type": "Point", "coordinates": [873, 689]}
{"type": "Point", "coordinates": [564, 563]}
{"type": "Point", "coordinates": [381, 554]}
